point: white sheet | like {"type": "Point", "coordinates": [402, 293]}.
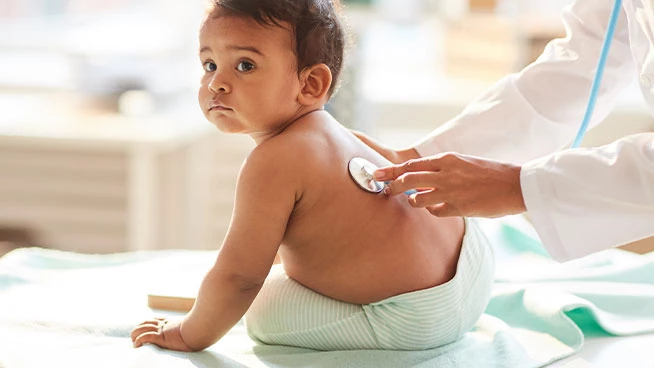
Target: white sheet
{"type": "Point", "coordinates": [70, 310]}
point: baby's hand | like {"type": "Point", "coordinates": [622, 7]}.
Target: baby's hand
{"type": "Point", "coordinates": [161, 332]}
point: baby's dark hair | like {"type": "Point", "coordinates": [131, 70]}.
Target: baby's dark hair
{"type": "Point", "coordinates": [319, 34]}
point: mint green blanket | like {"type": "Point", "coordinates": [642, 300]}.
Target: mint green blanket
{"type": "Point", "coordinates": [65, 309]}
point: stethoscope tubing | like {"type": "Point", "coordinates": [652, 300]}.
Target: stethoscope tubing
{"type": "Point", "coordinates": [597, 81]}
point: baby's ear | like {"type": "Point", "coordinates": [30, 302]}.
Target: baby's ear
{"type": "Point", "coordinates": [315, 82]}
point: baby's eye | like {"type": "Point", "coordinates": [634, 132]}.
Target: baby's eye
{"type": "Point", "coordinates": [208, 66]}
{"type": "Point", "coordinates": [245, 66]}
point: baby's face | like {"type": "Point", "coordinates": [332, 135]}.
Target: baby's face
{"type": "Point", "coordinates": [250, 82]}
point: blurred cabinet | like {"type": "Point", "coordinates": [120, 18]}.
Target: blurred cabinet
{"type": "Point", "coordinates": [117, 184]}
{"type": "Point", "coordinates": [486, 46]}
{"type": "Point", "coordinates": [482, 5]}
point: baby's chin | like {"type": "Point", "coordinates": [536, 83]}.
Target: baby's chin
{"type": "Point", "coordinates": [227, 129]}
{"type": "Point", "coordinates": [226, 126]}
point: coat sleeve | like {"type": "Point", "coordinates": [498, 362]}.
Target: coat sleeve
{"type": "Point", "coordinates": [538, 110]}
{"type": "Point", "coordinates": [585, 200]}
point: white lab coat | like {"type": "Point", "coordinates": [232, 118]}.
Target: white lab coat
{"type": "Point", "coordinates": [583, 200]}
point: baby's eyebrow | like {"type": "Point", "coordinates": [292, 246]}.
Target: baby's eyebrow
{"type": "Point", "coordinates": [245, 48]}
{"type": "Point", "coordinates": [236, 48]}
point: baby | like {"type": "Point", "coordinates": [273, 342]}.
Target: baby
{"type": "Point", "coordinates": [359, 270]}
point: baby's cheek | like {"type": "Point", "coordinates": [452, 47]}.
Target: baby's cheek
{"type": "Point", "coordinates": [201, 95]}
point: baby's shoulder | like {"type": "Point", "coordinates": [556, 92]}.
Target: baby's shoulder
{"type": "Point", "coordinates": [296, 146]}
{"type": "Point", "coordinates": [306, 146]}
{"type": "Point", "coordinates": [280, 158]}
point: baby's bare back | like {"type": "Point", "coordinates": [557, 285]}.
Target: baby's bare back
{"type": "Point", "coordinates": [352, 245]}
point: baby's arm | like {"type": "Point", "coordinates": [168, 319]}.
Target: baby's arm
{"type": "Point", "coordinates": [265, 196]}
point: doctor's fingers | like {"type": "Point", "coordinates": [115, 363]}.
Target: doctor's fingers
{"type": "Point", "coordinates": [426, 198]}
{"type": "Point", "coordinates": [423, 180]}
{"type": "Point", "coordinates": [444, 210]}
{"type": "Point", "coordinates": [431, 163]}
{"type": "Point", "coordinates": [440, 204]}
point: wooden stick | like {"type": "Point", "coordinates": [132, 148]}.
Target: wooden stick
{"type": "Point", "coordinates": [174, 303]}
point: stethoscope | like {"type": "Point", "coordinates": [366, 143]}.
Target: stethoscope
{"type": "Point", "coordinates": [361, 170]}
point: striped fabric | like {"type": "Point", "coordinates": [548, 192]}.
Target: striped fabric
{"type": "Point", "coordinates": [287, 313]}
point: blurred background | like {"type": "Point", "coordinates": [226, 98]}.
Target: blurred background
{"type": "Point", "coordinates": [103, 148]}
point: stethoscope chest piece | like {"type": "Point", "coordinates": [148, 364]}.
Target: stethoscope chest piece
{"type": "Point", "coordinates": [361, 172]}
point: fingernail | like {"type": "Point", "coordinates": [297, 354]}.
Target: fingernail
{"type": "Point", "coordinates": [378, 175]}
{"type": "Point", "coordinates": [387, 190]}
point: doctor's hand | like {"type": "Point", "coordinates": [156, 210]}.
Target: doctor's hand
{"type": "Point", "coordinates": [160, 332]}
{"type": "Point", "coordinates": [452, 184]}
{"type": "Point", "coordinates": [394, 156]}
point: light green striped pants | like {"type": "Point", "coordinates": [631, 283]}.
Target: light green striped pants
{"type": "Point", "coordinates": [287, 313]}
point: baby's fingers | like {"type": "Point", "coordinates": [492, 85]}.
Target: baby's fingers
{"type": "Point", "coordinates": [152, 337]}
{"type": "Point", "coordinates": [148, 326]}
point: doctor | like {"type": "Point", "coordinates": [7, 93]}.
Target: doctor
{"type": "Point", "coordinates": [579, 200]}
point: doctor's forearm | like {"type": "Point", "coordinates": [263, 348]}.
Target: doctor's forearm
{"type": "Point", "coordinates": [585, 200]}
{"type": "Point", "coordinates": [538, 110]}
{"type": "Point", "coordinates": [501, 125]}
